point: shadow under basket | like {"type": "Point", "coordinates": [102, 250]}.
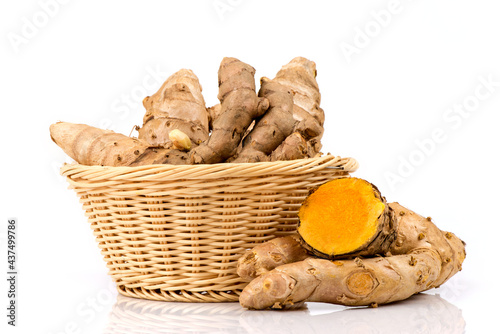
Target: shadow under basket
{"type": "Point", "coordinates": [175, 233]}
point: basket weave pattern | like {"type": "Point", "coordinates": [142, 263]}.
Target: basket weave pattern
{"type": "Point", "coordinates": [175, 233]}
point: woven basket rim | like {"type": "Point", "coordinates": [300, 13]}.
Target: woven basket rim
{"type": "Point", "coordinates": [203, 171]}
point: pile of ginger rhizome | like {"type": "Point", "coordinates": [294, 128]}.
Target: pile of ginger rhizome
{"type": "Point", "coordinates": [282, 121]}
{"type": "Point", "coordinates": [351, 247]}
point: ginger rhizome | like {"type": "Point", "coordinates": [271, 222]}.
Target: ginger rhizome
{"type": "Point", "coordinates": [269, 255]}
{"type": "Point", "coordinates": [282, 122]}
{"type": "Point", "coordinates": [180, 140]}
{"type": "Point", "coordinates": [299, 76]}
{"type": "Point", "coordinates": [88, 145]}
{"type": "Point", "coordinates": [293, 147]}
{"type": "Point", "coordinates": [213, 114]}
{"type": "Point", "coordinates": [240, 105]}
{"type": "Point", "coordinates": [273, 127]}
{"type": "Point", "coordinates": [177, 105]}
{"type": "Point", "coordinates": [420, 256]}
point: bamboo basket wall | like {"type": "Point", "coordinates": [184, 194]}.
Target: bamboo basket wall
{"type": "Point", "coordinates": [175, 233]}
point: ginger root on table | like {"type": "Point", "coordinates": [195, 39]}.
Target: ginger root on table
{"type": "Point", "coordinates": [361, 252]}
{"type": "Point", "coordinates": [269, 255]}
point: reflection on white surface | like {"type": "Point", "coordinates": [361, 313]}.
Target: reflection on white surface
{"type": "Point", "coordinates": [423, 313]}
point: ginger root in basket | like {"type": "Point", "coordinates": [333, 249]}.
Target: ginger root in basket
{"type": "Point", "coordinates": [180, 140]}
{"type": "Point", "coordinates": [88, 145]}
{"type": "Point", "coordinates": [293, 147]}
{"type": "Point", "coordinates": [407, 253]}
{"type": "Point", "coordinates": [273, 127]}
{"type": "Point", "coordinates": [177, 105]}
{"type": "Point", "coordinates": [283, 122]}
{"type": "Point", "coordinates": [299, 76]}
{"type": "Point", "coordinates": [240, 105]}
{"type": "Point", "coordinates": [294, 136]}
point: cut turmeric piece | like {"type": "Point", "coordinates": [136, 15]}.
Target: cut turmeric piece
{"type": "Point", "coordinates": [346, 217]}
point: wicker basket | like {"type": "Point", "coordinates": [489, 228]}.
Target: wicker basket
{"type": "Point", "coordinates": [175, 233]}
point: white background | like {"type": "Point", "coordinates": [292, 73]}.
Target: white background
{"type": "Point", "coordinates": [392, 86]}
